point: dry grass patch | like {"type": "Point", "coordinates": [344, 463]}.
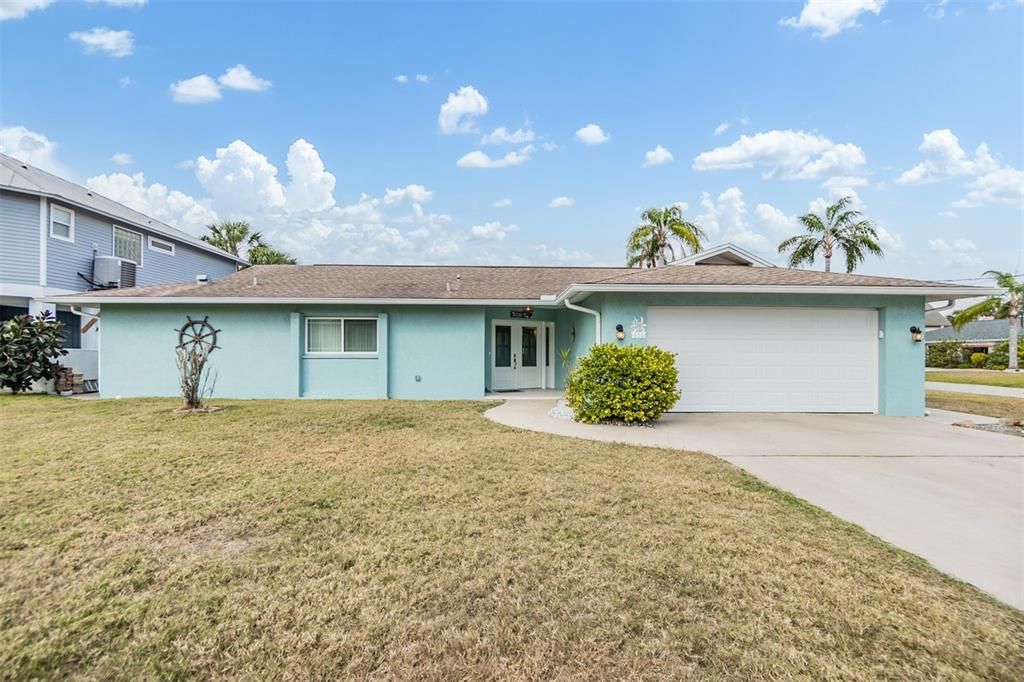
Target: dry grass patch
{"type": "Point", "coordinates": [420, 541]}
{"type": "Point", "coordinates": [984, 405]}
{"type": "Point", "coordinates": [978, 377]}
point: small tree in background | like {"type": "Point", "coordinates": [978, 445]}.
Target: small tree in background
{"type": "Point", "coordinates": [29, 348]}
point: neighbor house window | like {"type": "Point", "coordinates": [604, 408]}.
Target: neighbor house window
{"type": "Point", "coordinates": [72, 330]}
{"type": "Point", "coordinates": [62, 223]}
{"type": "Point", "coordinates": [339, 335]}
{"type": "Point", "coordinates": [161, 246]}
{"type": "Point", "coordinates": [128, 245]}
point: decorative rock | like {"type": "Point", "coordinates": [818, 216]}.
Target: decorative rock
{"type": "Point", "coordinates": [966, 423]}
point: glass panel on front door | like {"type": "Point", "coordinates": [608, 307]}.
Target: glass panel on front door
{"type": "Point", "coordinates": [529, 346]}
{"type": "Point", "coordinates": [503, 346]}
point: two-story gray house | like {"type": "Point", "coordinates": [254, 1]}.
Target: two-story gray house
{"type": "Point", "coordinates": [57, 237]}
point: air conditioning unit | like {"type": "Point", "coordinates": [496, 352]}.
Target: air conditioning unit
{"type": "Point", "coordinates": [106, 271]}
{"type": "Point", "coordinates": [127, 274]}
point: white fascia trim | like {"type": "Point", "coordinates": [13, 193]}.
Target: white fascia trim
{"type": "Point", "coordinates": [931, 293]}
{"type": "Point", "coordinates": [222, 300]}
{"type": "Point", "coordinates": [720, 249]}
{"type": "Point", "coordinates": [33, 291]}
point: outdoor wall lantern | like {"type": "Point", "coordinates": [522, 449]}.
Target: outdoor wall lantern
{"type": "Point", "coordinates": [916, 334]}
{"type": "Point", "coordinates": [620, 333]}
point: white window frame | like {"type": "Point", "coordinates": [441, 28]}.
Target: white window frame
{"type": "Point", "coordinates": [71, 229]}
{"type": "Point", "coordinates": [113, 230]}
{"type": "Point", "coordinates": [343, 353]}
{"type": "Point", "coordinates": [164, 242]}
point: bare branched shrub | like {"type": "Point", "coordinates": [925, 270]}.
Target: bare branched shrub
{"type": "Point", "coordinates": [194, 375]}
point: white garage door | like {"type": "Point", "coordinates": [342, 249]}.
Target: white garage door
{"type": "Point", "coordinates": [771, 359]}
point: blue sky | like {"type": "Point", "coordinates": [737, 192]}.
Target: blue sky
{"type": "Point", "coordinates": [294, 116]}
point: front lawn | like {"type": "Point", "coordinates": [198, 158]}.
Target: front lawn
{"type": "Point", "coordinates": [982, 377]}
{"type": "Point", "coordinates": [985, 405]}
{"type": "Point", "coordinates": [319, 539]}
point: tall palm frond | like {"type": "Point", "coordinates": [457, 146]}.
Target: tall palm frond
{"type": "Point", "coordinates": [841, 228]}
{"type": "Point", "coordinates": [653, 242]}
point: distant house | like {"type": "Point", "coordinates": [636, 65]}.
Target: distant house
{"type": "Point", "coordinates": [979, 336]}
{"type": "Point", "coordinates": [57, 237]}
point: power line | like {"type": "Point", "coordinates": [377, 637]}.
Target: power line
{"type": "Point", "coordinates": [978, 279]}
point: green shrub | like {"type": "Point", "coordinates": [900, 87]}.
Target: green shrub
{"type": "Point", "coordinates": [979, 360]}
{"type": "Point", "coordinates": [1000, 355]}
{"type": "Point", "coordinates": [996, 367]}
{"type": "Point", "coordinates": [944, 354]}
{"type": "Point", "coordinates": [628, 383]}
{"type": "Point", "coordinates": [29, 348]}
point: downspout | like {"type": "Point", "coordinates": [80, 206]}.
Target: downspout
{"type": "Point", "coordinates": [949, 304]}
{"type": "Point", "coordinates": [588, 311]}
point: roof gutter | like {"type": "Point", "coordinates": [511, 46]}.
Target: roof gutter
{"type": "Point", "coordinates": [597, 317]}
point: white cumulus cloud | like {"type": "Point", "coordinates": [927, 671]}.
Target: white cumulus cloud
{"type": "Point", "coordinates": [492, 231]}
{"type": "Point", "coordinates": [503, 136]}
{"type": "Point", "coordinates": [401, 78]}
{"type": "Point", "coordinates": [592, 134]}
{"type": "Point", "coordinates": [830, 17]}
{"type": "Point", "coordinates": [458, 114]}
{"type": "Point", "coordinates": [16, 9]}
{"type": "Point", "coordinates": [721, 128]}
{"type": "Point", "coordinates": [241, 180]}
{"type": "Point", "coordinates": [239, 77]}
{"type": "Point", "coordinates": [122, 159]}
{"type": "Point", "coordinates": [414, 194]}
{"type": "Point", "coordinates": [479, 159]}
{"type": "Point", "coordinates": [786, 154]}
{"type": "Point", "coordinates": [31, 147]}
{"type": "Point", "coordinates": [658, 156]}
{"type": "Point", "coordinates": [311, 185]}
{"type": "Point", "coordinates": [104, 40]}
{"type": "Point", "coordinates": [944, 157]}
{"type": "Point", "coordinates": [561, 202]}
{"type": "Point", "coordinates": [422, 78]}
{"type": "Point", "coordinates": [1003, 186]}
{"type": "Point", "coordinates": [155, 200]}
{"type": "Point", "coordinates": [502, 203]}
{"type": "Point", "coordinates": [195, 90]}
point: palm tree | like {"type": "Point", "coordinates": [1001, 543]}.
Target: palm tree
{"type": "Point", "coordinates": [263, 254]}
{"type": "Point", "coordinates": [651, 243]}
{"type": "Point", "coordinates": [230, 236]}
{"type": "Point", "coordinates": [840, 228]}
{"type": "Point", "coordinates": [995, 306]}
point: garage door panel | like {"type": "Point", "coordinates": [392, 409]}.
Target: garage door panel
{"type": "Point", "coordinates": [771, 359]}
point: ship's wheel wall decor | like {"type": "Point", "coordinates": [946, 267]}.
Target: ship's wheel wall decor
{"type": "Point", "coordinates": [198, 335]}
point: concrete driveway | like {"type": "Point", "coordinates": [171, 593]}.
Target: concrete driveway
{"type": "Point", "coordinates": [951, 495]}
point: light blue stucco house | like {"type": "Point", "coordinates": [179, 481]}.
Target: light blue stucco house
{"type": "Point", "coordinates": [748, 336]}
{"type": "Point", "coordinates": [57, 237]}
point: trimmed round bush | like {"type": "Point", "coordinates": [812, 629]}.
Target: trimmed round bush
{"type": "Point", "coordinates": [624, 383]}
{"type": "Point", "coordinates": [979, 360]}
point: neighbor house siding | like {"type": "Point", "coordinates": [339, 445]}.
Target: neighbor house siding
{"type": "Point", "coordinates": [900, 358]}
{"type": "Point", "coordinates": [94, 234]}
{"type": "Point", "coordinates": [19, 238]}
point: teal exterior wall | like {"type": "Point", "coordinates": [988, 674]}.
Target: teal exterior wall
{"type": "Point", "coordinates": [262, 353]}
{"type": "Point", "coordinates": [900, 358]}
{"type": "Point", "coordinates": [436, 352]}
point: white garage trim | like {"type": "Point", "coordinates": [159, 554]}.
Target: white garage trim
{"type": "Point", "coordinates": [771, 359]}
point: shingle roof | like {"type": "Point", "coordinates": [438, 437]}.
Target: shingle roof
{"type": "Point", "coordinates": [20, 176]}
{"type": "Point", "coordinates": [455, 282]}
{"type": "Point", "coordinates": [979, 330]}
{"type": "Point", "coordinates": [739, 275]}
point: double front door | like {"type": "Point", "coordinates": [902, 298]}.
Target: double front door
{"type": "Point", "coordinates": [521, 355]}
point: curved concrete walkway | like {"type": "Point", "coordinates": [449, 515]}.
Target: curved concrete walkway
{"type": "Point", "coordinates": [978, 389]}
{"type": "Point", "coordinates": [952, 495]}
